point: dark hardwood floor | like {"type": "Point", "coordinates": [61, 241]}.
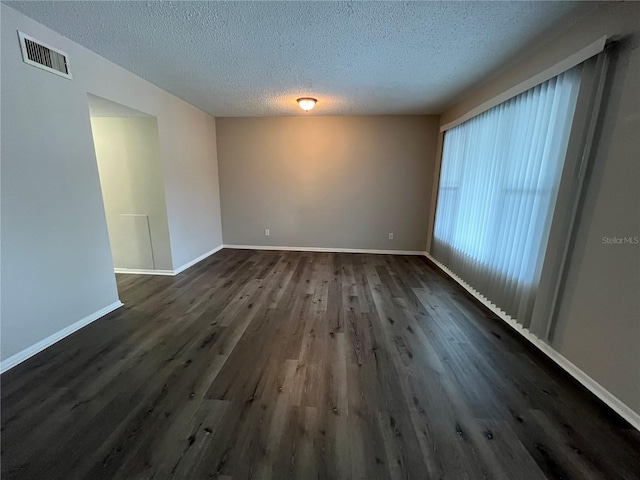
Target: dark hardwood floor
{"type": "Point", "coordinates": [262, 364]}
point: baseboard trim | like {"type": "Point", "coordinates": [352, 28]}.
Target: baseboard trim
{"type": "Point", "coordinates": [138, 271]}
{"type": "Point", "coordinates": [29, 352]}
{"type": "Point", "coordinates": [323, 249]}
{"type": "Point", "coordinates": [589, 383]}
{"type": "Point", "coordinates": [196, 260]}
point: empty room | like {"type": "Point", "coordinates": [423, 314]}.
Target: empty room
{"type": "Point", "coordinates": [320, 240]}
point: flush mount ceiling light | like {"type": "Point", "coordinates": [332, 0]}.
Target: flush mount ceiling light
{"type": "Point", "coordinates": [307, 103]}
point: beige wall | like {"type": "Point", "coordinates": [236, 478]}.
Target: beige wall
{"type": "Point", "coordinates": [598, 327]}
{"type": "Point", "coordinates": [333, 182]}
{"type": "Point", "coordinates": [128, 155]}
{"type": "Point", "coordinates": [56, 261]}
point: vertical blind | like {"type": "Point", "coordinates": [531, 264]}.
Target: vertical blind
{"type": "Point", "coordinates": [498, 185]}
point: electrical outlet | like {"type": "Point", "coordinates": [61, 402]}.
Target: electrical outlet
{"type": "Point", "coordinates": [390, 236]}
{"type": "Point", "coordinates": [266, 232]}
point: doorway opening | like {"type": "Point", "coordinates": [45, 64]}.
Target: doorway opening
{"type": "Point", "coordinates": [127, 149]}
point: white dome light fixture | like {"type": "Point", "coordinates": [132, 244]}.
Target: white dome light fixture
{"type": "Point", "coordinates": [307, 103]}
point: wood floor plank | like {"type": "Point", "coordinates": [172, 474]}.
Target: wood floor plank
{"type": "Point", "coordinates": [299, 365]}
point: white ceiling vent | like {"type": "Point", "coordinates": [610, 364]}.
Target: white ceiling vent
{"type": "Point", "coordinates": [41, 55]}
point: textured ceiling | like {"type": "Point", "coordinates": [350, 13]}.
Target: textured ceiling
{"type": "Point", "coordinates": [256, 58]}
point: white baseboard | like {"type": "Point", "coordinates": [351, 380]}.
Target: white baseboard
{"type": "Point", "coordinates": [196, 260]}
{"type": "Point", "coordinates": [20, 357]}
{"type": "Point", "coordinates": [138, 271]}
{"type": "Point", "coordinates": [135, 271]}
{"type": "Point", "coordinates": [323, 249]}
{"type": "Point", "coordinates": [594, 387]}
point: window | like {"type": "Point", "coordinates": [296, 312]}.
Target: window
{"type": "Point", "coordinates": [498, 185]}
